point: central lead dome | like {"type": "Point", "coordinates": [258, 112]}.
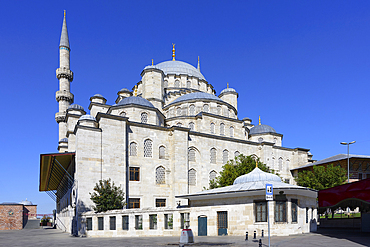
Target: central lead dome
{"type": "Point", "coordinates": [179, 68]}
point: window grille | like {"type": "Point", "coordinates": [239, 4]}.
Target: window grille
{"type": "Point", "coordinates": [133, 149]}
{"type": "Point", "coordinates": [89, 224]}
{"type": "Point", "coordinates": [160, 203]}
{"type": "Point", "coordinates": [219, 110]}
{"type": "Point", "coordinates": [212, 128]}
{"type": "Point", "coordinates": [100, 223]}
{"type": "Point", "coordinates": [192, 110]}
{"type": "Point", "coordinates": [134, 202]}
{"type": "Point", "coordinates": [206, 108]}
{"type": "Point", "coordinates": [112, 223]}
{"type": "Point", "coordinates": [178, 111]}
{"type": "Point", "coordinates": [168, 221]}
{"type": "Point", "coordinates": [212, 175]}
{"type": "Point", "coordinates": [160, 176]}
{"type": "Point", "coordinates": [185, 220]}
{"type": "Point", "coordinates": [236, 154]}
{"type": "Point", "coordinates": [123, 114]}
{"type": "Point", "coordinates": [287, 180]}
{"type": "Point", "coordinates": [138, 222]}
{"type": "Point", "coordinates": [165, 83]}
{"type": "Point", "coordinates": [125, 222]}
{"type": "Point", "coordinates": [177, 83]}
{"type": "Point", "coordinates": [231, 131]}
{"type": "Point", "coordinates": [191, 126]}
{"type": "Point", "coordinates": [134, 173]}
{"type": "Point", "coordinates": [144, 117]}
{"type": "Point", "coordinates": [153, 221]}
{"type": "Point", "coordinates": [225, 156]}
{"type": "Point", "coordinates": [192, 177]}
{"type": "Point", "coordinates": [192, 155]}
{"type": "Point", "coordinates": [222, 129]}
{"type": "Point", "coordinates": [147, 148]}
{"type": "Point", "coordinates": [213, 155]}
{"type": "Point", "coordinates": [222, 219]}
{"type": "Point", "coordinates": [260, 211]}
{"type": "Point", "coordinates": [188, 84]}
{"type": "Point", "coordinates": [280, 211]}
{"type": "Point", "coordinates": [294, 210]}
{"type": "Point", "coordinates": [280, 164]}
{"type": "Point", "coordinates": [162, 152]}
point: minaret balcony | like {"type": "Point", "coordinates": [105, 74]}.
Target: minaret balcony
{"type": "Point", "coordinates": [60, 117]}
{"type": "Point", "coordinates": [64, 95]}
{"type": "Point", "coordinates": [64, 73]}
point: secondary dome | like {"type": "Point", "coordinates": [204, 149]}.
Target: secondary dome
{"type": "Point", "coordinates": [135, 101]}
{"type": "Point", "coordinates": [261, 128]}
{"type": "Point", "coordinates": [87, 117]}
{"type": "Point", "coordinates": [257, 175]}
{"type": "Point", "coordinates": [76, 107]}
{"type": "Point", "coordinates": [177, 68]}
{"type": "Point", "coordinates": [197, 96]}
{"type": "Point", "coordinates": [25, 202]}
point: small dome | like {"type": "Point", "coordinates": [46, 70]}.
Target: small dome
{"type": "Point", "coordinates": [98, 96]}
{"type": "Point", "coordinates": [177, 68]}
{"type": "Point", "coordinates": [87, 117]}
{"type": "Point", "coordinates": [135, 101]}
{"type": "Point", "coordinates": [25, 202]}
{"type": "Point", "coordinates": [75, 107]}
{"type": "Point", "coordinates": [197, 95]}
{"type": "Point", "coordinates": [64, 140]}
{"type": "Point", "coordinates": [124, 90]}
{"type": "Point", "coordinates": [261, 128]}
{"type": "Point", "coordinates": [228, 90]}
{"type": "Point", "coordinates": [257, 175]}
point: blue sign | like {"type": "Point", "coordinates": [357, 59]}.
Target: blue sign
{"type": "Point", "coordinates": [269, 192]}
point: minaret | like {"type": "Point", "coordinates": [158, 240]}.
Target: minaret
{"type": "Point", "coordinates": [65, 77]}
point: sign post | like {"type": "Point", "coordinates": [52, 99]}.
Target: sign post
{"type": "Point", "coordinates": [269, 197]}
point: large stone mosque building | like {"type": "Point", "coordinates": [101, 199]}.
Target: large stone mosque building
{"type": "Point", "coordinates": [168, 136]}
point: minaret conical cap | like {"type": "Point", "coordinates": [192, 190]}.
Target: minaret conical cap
{"type": "Point", "coordinates": [64, 41]}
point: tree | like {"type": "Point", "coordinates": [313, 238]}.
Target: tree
{"type": "Point", "coordinates": [322, 177]}
{"type": "Point", "coordinates": [107, 196]}
{"type": "Point", "coordinates": [234, 168]}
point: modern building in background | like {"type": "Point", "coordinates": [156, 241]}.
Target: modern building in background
{"type": "Point", "coordinates": [167, 136]}
{"type": "Point", "coordinates": [16, 216]}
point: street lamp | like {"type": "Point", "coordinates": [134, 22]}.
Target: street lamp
{"type": "Point", "coordinates": [345, 143]}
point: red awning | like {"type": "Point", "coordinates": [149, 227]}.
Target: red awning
{"type": "Point", "coordinates": [339, 195]}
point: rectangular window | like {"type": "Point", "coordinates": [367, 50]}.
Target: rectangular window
{"type": "Point", "coordinates": [125, 222]}
{"type": "Point", "coordinates": [89, 224]}
{"type": "Point", "coordinates": [112, 223]}
{"type": "Point", "coordinates": [261, 211]}
{"type": "Point", "coordinates": [134, 173]}
{"type": "Point", "coordinates": [280, 211]}
{"type": "Point", "coordinates": [185, 220]}
{"type": "Point", "coordinates": [138, 222]}
{"type": "Point", "coordinates": [134, 203]}
{"type": "Point", "coordinates": [294, 210]}
{"type": "Point", "coordinates": [100, 223]}
{"type": "Point", "coordinates": [153, 221]}
{"type": "Point", "coordinates": [306, 215]}
{"type": "Point", "coordinates": [222, 219]}
{"type": "Point", "coordinates": [168, 221]}
{"type": "Point", "coordinates": [287, 180]}
{"type": "Point", "coordinates": [160, 203]}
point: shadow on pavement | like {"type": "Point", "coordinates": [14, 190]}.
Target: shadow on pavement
{"type": "Point", "coordinates": [354, 235]}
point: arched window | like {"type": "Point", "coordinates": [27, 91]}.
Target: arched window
{"type": "Point", "coordinates": [192, 110]}
{"type": "Point", "coordinates": [212, 175]}
{"type": "Point", "coordinates": [275, 140]}
{"type": "Point", "coordinates": [144, 117]}
{"type": "Point", "coordinates": [162, 152]}
{"type": "Point", "coordinates": [192, 177]}
{"type": "Point", "coordinates": [206, 108]}
{"type": "Point", "coordinates": [160, 176]}
{"type": "Point", "coordinates": [219, 110]}
{"type": "Point", "coordinates": [287, 166]}
{"type": "Point", "coordinates": [225, 156]}
{"type": "Point", "coordinates": [133, 149]}
{"type": "Point", "coordinates": [123, 114]}
{"type": "Point", "coordinates": [179, 124]}
{"type": "Point", "coordinates": [177, 83]}
{"type": "Point", "coordinates": [226, 112]}
{"type": "Point", "coordinates": [148, 148]}
{"type": "Point", "coordinates": [165, 83]}
{"type": "Point", "coordinates": [178, 111]}
{"type": "Point", "coordinates": [231, 131]}
{"type": "Point", "coordinates": [280, 164]}
{"type": "Point", "coordinates": [212, 128]}
{"type": "Point", "coordinates": [260, 139]}
{"type": "Point", "coordinates": [213, 155]}
{"type": "Point", "coordinates": [231, 113]}
{"type": "Point", "coordinates": [191, 154]}
{"type": "Point", "coordinates": [188, 84]}
{"type": "Point", "coordinates": [236, 154]}
{"type": "Point", "coordinates": [191, 126]}
{"type": "Point", "coordinates": [222, 129]}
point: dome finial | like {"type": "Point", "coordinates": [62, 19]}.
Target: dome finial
{"type": "Point", "coordinates": [198, 65]}
{"type": "Point", "coordinates": [152, 62]}
{"type": "Point", "coordinates": [227, 85]}
{"type": "Point", "coordinates": [259, 120]}
{"type": "Point", "coordinates": [135, 91]}
{"type": "Point", "coordinates": [256, 163]}
{"type": "Point", "coordinates": [64, 13]}
{"type": "Point", "coordinates": [173, 52]}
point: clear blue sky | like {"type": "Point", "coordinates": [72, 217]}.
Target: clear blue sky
{"type": "Point", "coordinates": [302, 65]}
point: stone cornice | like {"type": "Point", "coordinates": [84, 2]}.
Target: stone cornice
{"type": "Point", "coordinates": [85, 128]}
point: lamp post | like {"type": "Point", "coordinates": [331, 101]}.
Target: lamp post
{"type": "Point", "coordinates": [345, 143]}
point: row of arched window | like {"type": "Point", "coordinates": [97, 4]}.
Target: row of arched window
{"type": "Point", "coordinates": [148, 149]}
{"type": "Point", "coordinates": [160, 176]}
{"type": "Point", "coordinates": [206, 108]}
{"type": "Point", "coordinates": [222, 129]}
{"type": "Point", "coordinates": [178, 84]}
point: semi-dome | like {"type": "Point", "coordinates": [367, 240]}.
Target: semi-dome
{"type": "Point", "coordinates": [197, 96]}
{"type": "Point", "coordinates": [26, 202]}
{"type": "Point", "coordinates": [261, 128]}
{"type": "Point", "coordinates": [75, 107]}
{"type": "Point", "coordinates": [257, 175]}
{"type": "Point", "coordinates": [64, 140]}
{"type": "Point", "coordinates": [177, 68]}
{"type": "Point", "coordinates": [135, 101]}
{"type": "Point", "coordinates": [87, 117]}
